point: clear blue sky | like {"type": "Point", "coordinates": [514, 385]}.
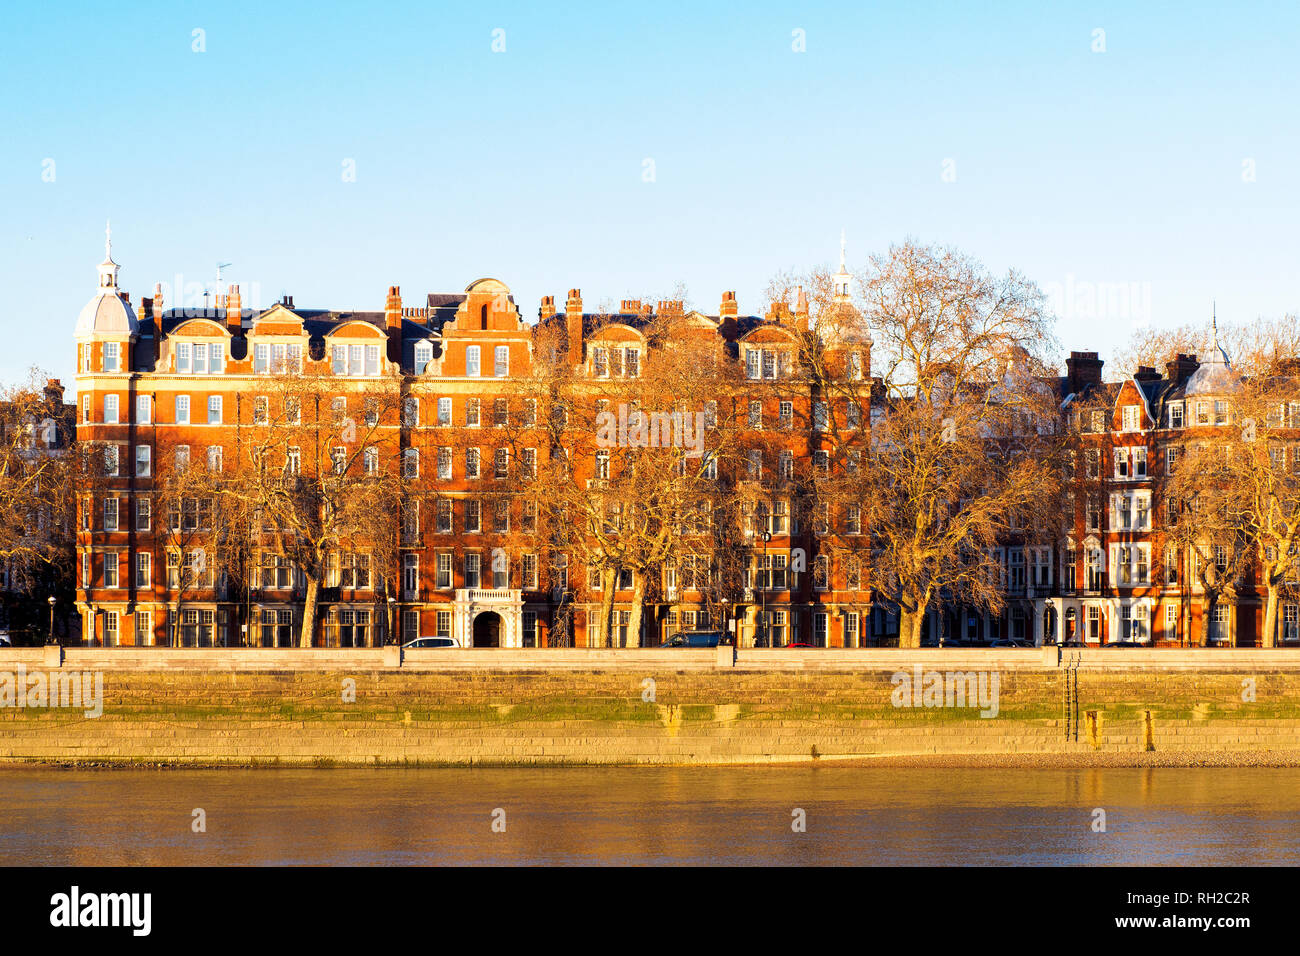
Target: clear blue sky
{"type": "Point", "coordinates": [1121, 168]}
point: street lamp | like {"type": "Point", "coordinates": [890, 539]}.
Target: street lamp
{"type": "Point", "coordinates": [765, 579]}
{"type": "Point", "coordinates": [726, 620]}
{"type": "Point", "coordinates": [50, 639]}
{"type": "Point", "coordinates": [392, 619]}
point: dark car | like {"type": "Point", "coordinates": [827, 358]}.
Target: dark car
{"type": "Point", "coordinates": [695, 639]}
{"type": "Point", "coordinates": [1010, 643]}
{"type": "Point", "coordinates": [1123, 644]}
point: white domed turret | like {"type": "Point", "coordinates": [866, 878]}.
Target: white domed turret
{"type": "Point", "coordinates": [842, 278]}
{"type": "Point", "coordinates": [1215, 375]}
{"type": "Point", "coordinates": [107, 313]}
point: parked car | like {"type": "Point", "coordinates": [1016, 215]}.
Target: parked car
{"type": "Point", "coordinates": [421, 643]}
{"type": "Point", "coordinates": [695, 639]}
{"type": "Point", "coordinates": [4, 639]}
{"type": "Point", "coordinates": [1123, 644]}
{"type": "Point", "coordinates": [1010, 643]}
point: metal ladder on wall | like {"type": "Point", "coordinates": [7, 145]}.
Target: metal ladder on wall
{"type": "Point", "coordinates": [1070, 696]}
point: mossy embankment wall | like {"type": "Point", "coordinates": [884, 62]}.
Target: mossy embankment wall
{"type": "Point", "coordinates": [676, 707]}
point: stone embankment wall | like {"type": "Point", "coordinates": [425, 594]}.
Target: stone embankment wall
{"type": "Point", "coordinates": [656, 707]}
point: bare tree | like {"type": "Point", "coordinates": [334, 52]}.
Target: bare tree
{"type": "Point", "coordinates": [1210, 525]}
{"type": "Point", "coordinates": [963, 436]}
{"type": "Point", "coordinates": [320, 472]}
{"type": "Point", "coordinates": [38, 494]}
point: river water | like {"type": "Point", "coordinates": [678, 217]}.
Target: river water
{"type": "Point", "coordinates": [852, 815]}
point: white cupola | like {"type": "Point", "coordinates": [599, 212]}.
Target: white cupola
{"type": "Point", "coordinates": [842, 278]}
{"type": "Point", "coordinates": [107, 313]}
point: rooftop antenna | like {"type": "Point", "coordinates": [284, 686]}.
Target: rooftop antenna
{"type": "Point", "coordinates": [220, 266]}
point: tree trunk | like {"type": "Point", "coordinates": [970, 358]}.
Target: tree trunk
{"type": "Point", "coordinates": [909, 627]}
{"type": "Point", "coordinates": [638, 604]}
{"type": "Point", "coordinates": [604, 630]}
{"type": "Point", "coordinates": [1269, 637]}
{"type": "Point", "coordinates": [1207, 619]}
{"type": "Point", "coordinates": [309, 613]}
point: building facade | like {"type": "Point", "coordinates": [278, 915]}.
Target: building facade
{"type": "Point", "coordinates": [166, 390]}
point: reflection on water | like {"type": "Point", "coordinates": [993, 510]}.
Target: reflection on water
{"type": "Point", "coordinates": [883, 816]}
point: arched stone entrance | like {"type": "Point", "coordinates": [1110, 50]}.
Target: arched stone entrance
{"type": "Point", "coordinates": [487, 629]}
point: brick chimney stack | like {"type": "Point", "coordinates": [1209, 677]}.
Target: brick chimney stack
{"type": "Point", "coordinates": [54, 393]}
{"type": "Point", "coordinates": [393, 322]}
{"type": "Point", "coordinates": [144, 310]}
{"type": "Point", "coordinates": [1082, 369]}
{"type": "Point", "coordinates": [1146, 373]}
{"type": "Point", "coordinates": [548, 307]}
{"type": "Point", "coordinates": [728, 306]}
{"type": "Point", "coordinates": [801, 310]}
{"type": "Point", "coordinates": [234, 311]}
{"type": "Point", "coordinates": [1181, 368]}
{"type": "Point", "coordinates": [573, 324]}
{"type": "Point", "coordinates": [157, 304]}
{"type": "Point", "coordinates": [393, 308]}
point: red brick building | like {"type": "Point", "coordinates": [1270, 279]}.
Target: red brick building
{"type": "Point", "coordinates": [151, 378]}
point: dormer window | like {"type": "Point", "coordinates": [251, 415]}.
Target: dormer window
{"type": "Point", "coordinates": [1176, 416]}
{"type": "Point", "coordinates": [200, 358]}
{"type": "Point", "coordinates": [276, 358]}
{"type": "Point", "coordinates": [354, 360]}
{"type": "Point", "coordinates": [423, 356]}
{"type": "Point", "coordinates": [764, 363]}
